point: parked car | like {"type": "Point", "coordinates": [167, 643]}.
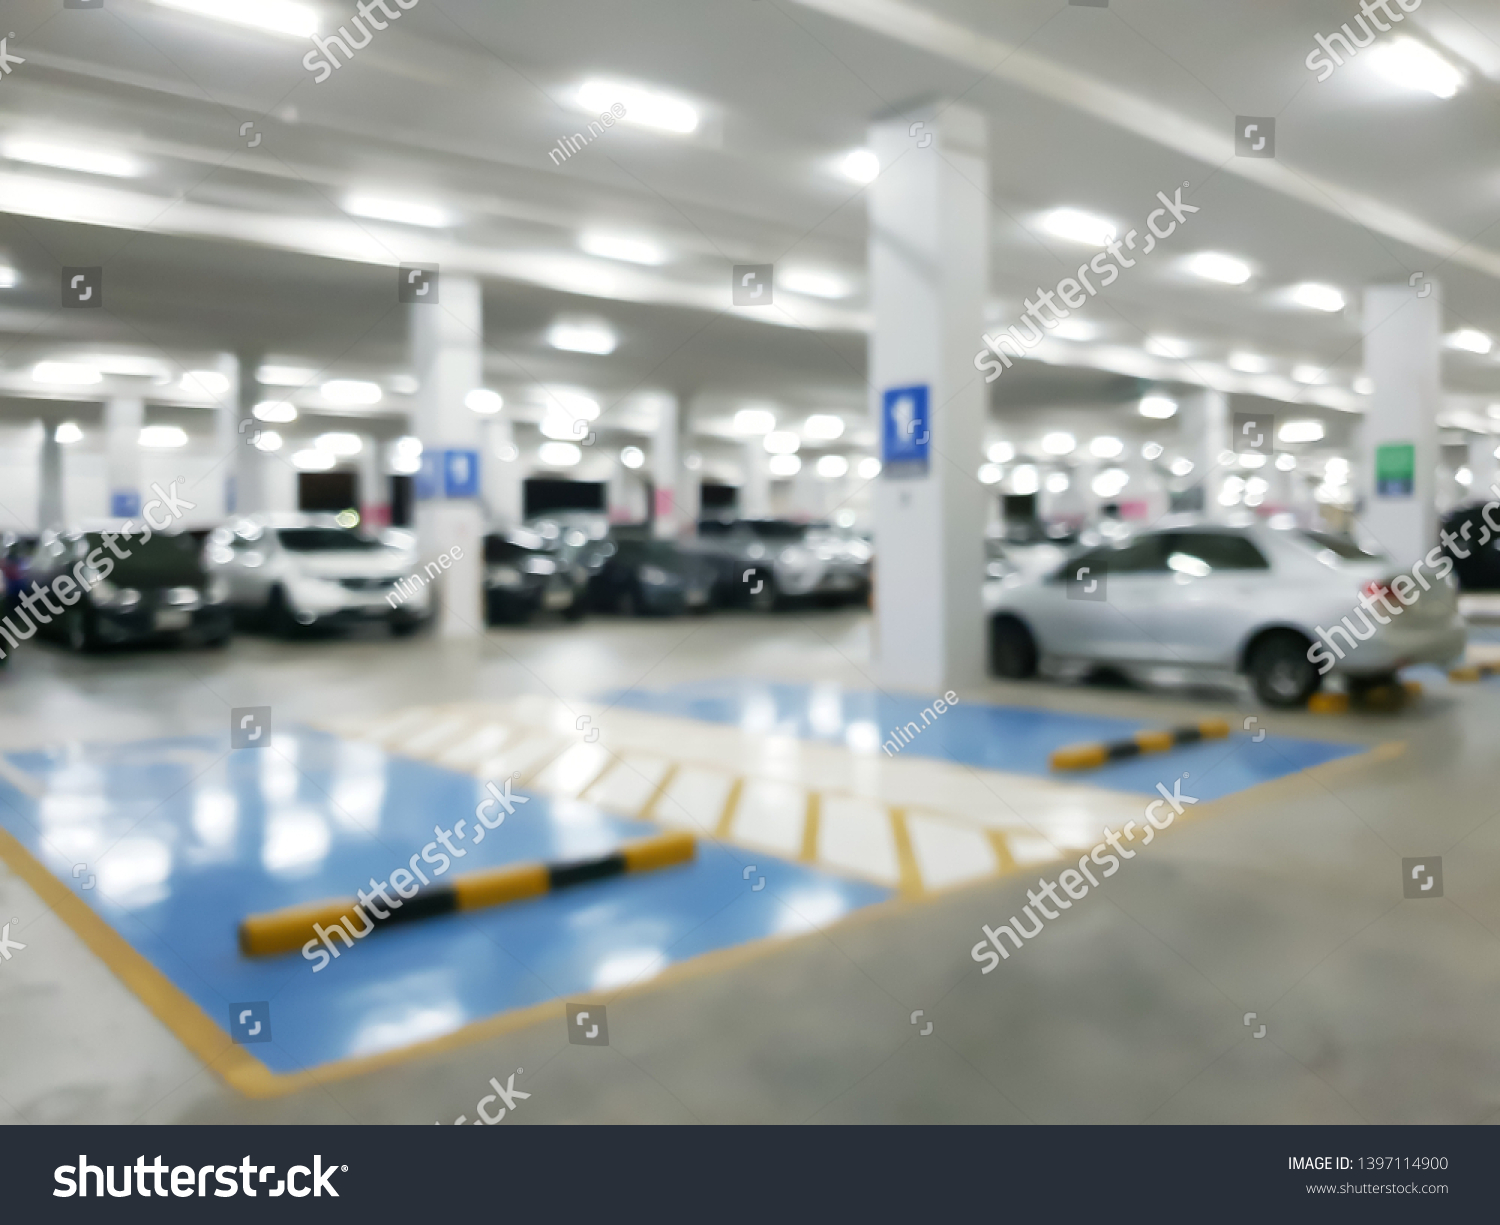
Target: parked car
{"type": "Point", "coordinates": [523, 577]}
{"type": "Point", "coordinates": [1249, 599]}
{"type": "Point", "coordinates": [640, 574]}
{"type": "Point", "coordinates": [1478, 568]}
{"type": "Point", "coordinates": [136, 591]}
{"type": "Point", "coordinates": [761, 563]}
{"type": "Point", "coordinates": [293, 572]}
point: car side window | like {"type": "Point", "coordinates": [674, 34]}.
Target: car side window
{"type": "Point", "coordinates": [1143, 555]}
{"type": "Point", "coordinates": [1215, 550]}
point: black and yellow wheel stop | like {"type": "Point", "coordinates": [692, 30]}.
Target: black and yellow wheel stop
{"type": "Point", "coordinates": [282, 931]}
{"type": "Point", "coordinates": [1091, 756]}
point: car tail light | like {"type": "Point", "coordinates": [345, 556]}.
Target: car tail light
{"type": "Point", "coordinates": [1376, 589]}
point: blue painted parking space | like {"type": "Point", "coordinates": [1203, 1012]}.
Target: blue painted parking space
{"type": "Point", "coordinates": [1014, 739]}
{"type": "Point", "coordinates": [181, 838]}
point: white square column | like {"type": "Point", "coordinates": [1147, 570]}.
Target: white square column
{"type": "Point", "coordinates": [666, 470]}
{"type": "Point", "coordinates": [1398, 453]}
{"type": "Point", "coordinates": [123, 418]}
{"type": "Point", "coordinates": [929, 273]}
{"type": "Point", "coordinates": [446, 343]}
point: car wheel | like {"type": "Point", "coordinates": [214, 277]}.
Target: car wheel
{"type": "Point", "coordinates": [77, 631]}
{"type": "Point", "coordinates": [1013, 653]}
{"type": "Point", "coordinates": [279, 618]}
{"type": "Point", "coordinates": [1280, 671]}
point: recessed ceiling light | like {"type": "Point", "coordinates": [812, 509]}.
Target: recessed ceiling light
{"type": "Point", "coordinates": [405, 212]}
{"type": "Point", "coordinates": [65, 374]}
{"type": "Point", "coordinates": [1158, 408]}
{"type": "Point", "coordinates": [1056, 482]}
{"type": "Point", "coordinates": [1414, 65]}
{"type": "Point", "coordinates": [339, 443]}
{"type": "Point", "coordinates": [784, 465]}
{"type": "Point", "coordinates": [1470, 340]}
{"type": "Point", "coordinates": [646, 108]}
{"type": "Point", "coordinates": [991, 474]}
{"type": "Point", "coordinates": [814, 284]}
{"type": "Point", "coordinates": [1364, 385]}
{"type": "Point", "coordinates": [1180, 466]}
{"type": "Point", "coordinates": [1075, 329]}
{"type": "Point", "coordinates": [1059, 443]}
{"type": "Point", "coordinates": [83, 158]}
{"type": "Point", "coordinates": [1078, 226]}
{"type": "Point", "coordinates": [622, 247]}
{"type": "Point", "coordinates": [278, 411]}
{"type": "Point", "coordinates": [781, 442]}
{"type": "Point", "coordinates": [860, 166]}
{"type": "Point", "coordinates": [559, 454]}
{"type": "Point", "coordinates": [1318, 297]}
{"type": "Point", "coordinates": [350, 392]}
{"type": "Point", "coordinates": [1300, 431]}
{"type": "Point", "coordinates": [1000, 453]}
{"type": "Point", "coordinates": [1309, 374]}
{"type": "Point", "coordinates": [314, 460]}
{"type": "Point", "coordinates": [163, 436]}
{"type": "Point", "coordinates": [597, 338]}
{"type": "Point", "coordinates": [1106, 446]}
{"type": "Point", "coordinates": [832, 467]}
{"type": "Point", "coordinates": [1216, 266]}
{"type": "Point", "coordinates": [68, 432]}
{"type": "Point", "coordinates": [484, 401]}
{"type": "Point", "coordinates": [1248, 363]}
{"type": "Point", "coordinates": [1152, 450]}
{"type": "Point", "coordinates": [1025, 479]}
{"type": "Point", "coordinates": [284, 376]}
{"type": "Point", "coordinates": [1286, 462]}
{"type": "Point", "coordinates": [205, 383]}
{"type": "Point", "coordinates": [267, 440]}
{"type": "Point", "coordinates": [9, 277]}
{"type": "Point", "coordinates": [749, 422]}
{"type": "Point", "coordinates": [1166, 346]}
{"type": "Point", "coordinates": [129, 365]}
{"type": "Point", "coordinates": [823, 427]}
{"type": "Point", "coordinates": [276, 16]}
{"type": "Point", "coordinates": [868, 468]}
{"type": "Point", "coordinates": [632, 457]}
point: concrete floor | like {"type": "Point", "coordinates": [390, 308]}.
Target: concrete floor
{"type": "Point", "coordinates": [1285, 902]}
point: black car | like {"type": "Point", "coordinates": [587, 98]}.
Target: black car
{"type": "Point", "coordinates": [641, 574]}
{"type": "Point", "coordinates": [522, 577]}
{"type": "Point", "coordinates": [1478, 569]}
{"type": "Point", "coordinates": [108, 589]}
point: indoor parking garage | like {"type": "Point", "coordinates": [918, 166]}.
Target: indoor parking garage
{"type": "Point", "coordinates": [811, 561]}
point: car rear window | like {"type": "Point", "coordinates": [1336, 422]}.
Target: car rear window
{"type": "Point", "coordinates": [325, 540]}
{"type": "Point", "coordinates": [162, 561]}
{"type": "Point", "coordinates": [1219, 550]}
{"type": "Point", "coordinates": [1340, 546]}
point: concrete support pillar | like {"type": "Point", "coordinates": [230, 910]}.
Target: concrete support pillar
{"type": "Point", "coordinates": [1484, 467]}
{"type": "Point", "coordinates": [123, 418]}
{"type": "Point", "coordinates": [502, 473]}
{"type": "Point", "coordinates": [222, 497]}
{"type": "Point", "coordinates": [49, 501]}
{"type": "Point", "coordinates": [374, 491]}
{"type": "Point", "coordinates": [1398, 447]}
{"type": "Point", "coordinates": [929, 245]}
{"type": "Point", "coordinates": [1204, 435]}
{"type": "Point", "coordinates": [254, 475]}
{"type": "Point", "coordinates": [666, 470]}
{"type": "Point", "coordinates": [755, 492]}
{"type": "Point", "coordinates": [446, 342]}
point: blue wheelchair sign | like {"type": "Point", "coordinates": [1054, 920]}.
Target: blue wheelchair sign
{"type": "Point", "coordinates": [906, 431]}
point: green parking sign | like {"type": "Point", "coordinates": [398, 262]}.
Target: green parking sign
{"type": "Point", "coordinates": [1395, 470]}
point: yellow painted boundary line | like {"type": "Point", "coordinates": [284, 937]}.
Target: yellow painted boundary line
{"type": "Point", "coordinates": [252, 1078]}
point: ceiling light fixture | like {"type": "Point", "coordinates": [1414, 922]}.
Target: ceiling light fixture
{"type": "Point", "coordinates": [1106, 447]}
{"type": "Point", "coordinates": [646, 108]}
{"type": "Point", "coordinates": [1318, 297]}
{"type": "Point", "coordinates": [749, 422]}
{"type": "Point", "coordinates": [1000, 452]}
{"type": "Point", "coordinates": [280, 412]}
{"type": "Point", "coordinates": [351, 392]}
{"type": "Point", "coordinates": [1248, 363]}
{"type": "Point", "coordinates": [1216, 266]}
{"type": "Point", "coordinates": [208, 383]}
{"type": "Point", "coordinates": [404, 212]}
{"type": "Point", "coordinates": [1059, 443]}
{"type": "Point", "coordinates": [339, 443]}
{"type": "Point", "coordinates": [869, 468]}
{"type": "Point", "coordinates": [1414, 65]}
{"type": "Point", "coordinates": [823, 427]}
{"type": "Point", "coordinates": [163, 436]}
{"type": "Point", "coordinates": [274, 16]}
{"type": "Point", "coordinates": [314, 460]}
{"type": "Point", "coordinates": [782, 442]}
{"type": "Point", "coordinates": [622, 247]}
{"type": "Point", "coordinates": [1300, 431]}
{"type": "Point", "coordinates": [1469, 340]}
{"type": "Point", "coordinates": [284, 376]}
{"type": "Point", "coordinates": [484, 401]}
{"type": "Point", "coordinates": [632, 457]}
{"type": "Point", "coordinates": [1078, 226]}
{"type": "Point", "coordinates": [784, 465]}
{"type": "Point", "coordinates": [860, 166]}
{"type": "Point", "coordinates": [65, 374]}
{"type": "Point", "coordinates": [68, 432]}
{"type": "Point", "coordinates": [832, 467]}
{"type": "Point", "coordinates": [580, 337]}
{"type": "Point", "coordinates": [1158, 408]}
{"type": "Point", "coordinates": [813, 284]}
{"type": "Point", "coordinates": [82, 158]}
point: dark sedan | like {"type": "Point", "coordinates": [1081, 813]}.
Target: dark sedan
{"type": "Point", "coordinates": [1475, 549]}
{"type": "Point", "coordinates": [522, 577]}
{"type": "Point", "coordinates": [114, 589]}
{"type": "Point", "coordinates": [642, 575]}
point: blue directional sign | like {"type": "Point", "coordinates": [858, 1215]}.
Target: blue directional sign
{"type": "Point", "coordinates": [906, 430]}
{"type": "Point", "coordinates": [460, 473]}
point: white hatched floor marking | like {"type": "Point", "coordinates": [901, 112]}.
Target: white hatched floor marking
{"type": "Point", "coordinates": [951, 816]}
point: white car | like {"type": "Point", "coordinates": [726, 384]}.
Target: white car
{"type": "Point", "coordinates": [1284, 607]}
{"type": "Point", "coordinates": [302, 570]}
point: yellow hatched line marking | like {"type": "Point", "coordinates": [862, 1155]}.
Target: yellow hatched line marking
{"type": "Point", "coordinates": [1003, 857]}
{"type": "Point", "coordinates": [810, 825]}
{"type": "Point", "coordinates": [906, 859]}
{"type": "Point", "coordinates": [731, 802]}
{"type": "Point", "coordinates": [668, 777]}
